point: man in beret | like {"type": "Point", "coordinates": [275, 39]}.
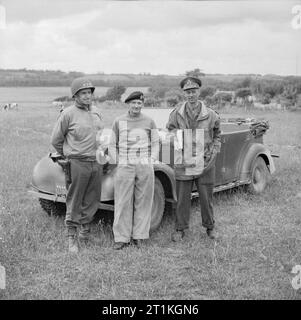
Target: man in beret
{"type": "Point", "coordinates": [75, 137]}
{"type": "Point", "coordinates": [194, 115]}
{"type": "Point", "coordinates": [135, 146]}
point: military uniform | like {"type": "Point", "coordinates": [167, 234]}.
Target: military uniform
{"type": "Point", "coordinates": [208, 120]}
{"type": "Point", "coordinates": [134, 178]}
{"type": "Point", "coordinates": [74, 136]}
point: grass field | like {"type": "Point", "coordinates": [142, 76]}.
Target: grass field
{"type": "Point", "coordinates": [259, 236]}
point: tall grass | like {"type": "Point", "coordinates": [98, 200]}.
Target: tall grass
{"type": "Point", "coordinates": [259, 236]}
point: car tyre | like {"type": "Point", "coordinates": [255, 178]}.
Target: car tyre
{"type": "Point", "coordinates": [158, 205]}
{"type": "Point", "coordinates": [53, 208]}
{"type": "Point", "coordinates": [260, 176]}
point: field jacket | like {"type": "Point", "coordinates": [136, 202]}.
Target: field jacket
{"type": "Point", "coordinates": [76, 131]}
{"type": "Point", "coordinates": [208, 120]}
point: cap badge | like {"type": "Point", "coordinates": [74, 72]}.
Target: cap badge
{"type": "Point", "coordinates": [190, 84]}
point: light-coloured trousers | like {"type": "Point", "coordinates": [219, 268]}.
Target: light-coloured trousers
{"type": "Point", "coordinates": [133, 196]}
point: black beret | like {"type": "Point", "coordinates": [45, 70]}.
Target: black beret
{"type": "Point", "coordinates": [136, 95]}
{"type": "Point", "coordinates": [190, 83]}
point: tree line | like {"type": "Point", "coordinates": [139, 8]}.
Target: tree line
{"type": "Point", "coordinates": [217, 90]}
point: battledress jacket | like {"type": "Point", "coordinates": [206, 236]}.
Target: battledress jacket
{"type": "Point", "coordinates": [76, 133]}
{"type": "Point", "coordinates": [208, 120]}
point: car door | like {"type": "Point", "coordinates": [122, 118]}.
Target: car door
{"type": "Point", "coordinates": [234, 141]}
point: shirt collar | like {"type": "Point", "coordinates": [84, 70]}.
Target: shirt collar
{"type": "Point", "coordinates": [203, 112]}
{"type": "Point", "coordinates": [82, 106]}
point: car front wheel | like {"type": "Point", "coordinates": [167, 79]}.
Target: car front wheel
{"type": "Point", "coordinates": [53, 208]}
{"type": "Point", "coordinates": [260, 176]}
{"type": "Point", "coordinates": [158, 205]}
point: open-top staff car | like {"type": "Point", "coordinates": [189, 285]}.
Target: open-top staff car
{"type": "Point", "coordinates": [243, 160]}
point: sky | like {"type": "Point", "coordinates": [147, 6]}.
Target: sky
{"type": "Point", "coordinates": [157, 37]}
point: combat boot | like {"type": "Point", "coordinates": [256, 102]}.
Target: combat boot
{"type": "Point", "coordinates": [120, 245]}
{"type": "Point", "coordinates": [211, 234]}
{"type": "Point", "coordinates": [73, 244]}
{"type": "Point", "coordinates": [178, 235]}
{"type": "Point", "coordinates": [138, 243]}
{"type": "Point", "coordinates": [86, 236]}
{"type": "Point", "coordinates": [72, 240]}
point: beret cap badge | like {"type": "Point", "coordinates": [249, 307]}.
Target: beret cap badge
{"type": "Point", "coordinates": [136, 95]}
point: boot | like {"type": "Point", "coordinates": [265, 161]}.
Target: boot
{"type": "Point", "coordinates": [211, 234]}
{"type": "Point", "coordinates": [138, 243]}
{"type": "Point", "coordinates": [178, 235]}
{"type": "Point", "coordinates": [86, 236]}
{"type": "Point", "coordinates": [72, 240]}
{"type": "Point", "coordinates": [120, 245]}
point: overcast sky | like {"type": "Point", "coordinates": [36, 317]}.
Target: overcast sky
{"type": "Point", "coordinates": [160, 37]}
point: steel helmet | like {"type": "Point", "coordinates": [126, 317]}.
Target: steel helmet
{"type": "Point", "coordinates": [79, 84]}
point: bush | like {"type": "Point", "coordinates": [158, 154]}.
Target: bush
{"type": "Point", "coordinates": [158, 92]}
{"type": "Point", "coordinates": [114, 94]}
{"type": "Point", "coordinates": [223, 96]}
{"type": "Point", "coordinates": [173, 97]}
{"type": "Point", "coordinates": [298, 102]}
{"type": "Point", "coordinates": [243, 93]}
{"type": "Point", "coordinates": [195, 73]}
{"type": "Point", "coordinates": [151, 102]}
{"type": "Point", "coordinates": [266, 99]}
{"type": "Point", "coordinates": [290, 93]}
{"type": "Point", "coordinates": [63, 99]}
{"type": "Point", "coordinates": [220, 99]}
{"type": "Point", "coordinates": [246, 82]}
{"type": "Point", "coordinates": [209, 101]}
{"type": "Point", "coordinates": [208, 91]}
{"type": "Point", "coordinates": [271, 91]}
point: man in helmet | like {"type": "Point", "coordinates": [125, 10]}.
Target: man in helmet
{"type": "Point", "coordinates": [75, 137]}
{"type": "Point", "coordinates": [197, 166]}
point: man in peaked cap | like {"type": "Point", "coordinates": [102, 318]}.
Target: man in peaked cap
{"type": "Point", "coordinates": [190, 83]}
{"type": "Point", "coordinates": [135, 146]}
{"type": "Point", "coordinates": [75, 137]}
{"type": "Point", "coordinates": [194, 115]}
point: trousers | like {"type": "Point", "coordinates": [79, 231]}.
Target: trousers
{"type": "Point", "coordinates": [133, 196]}
{"type": "Point", "coordinates": [83, 194]}
{"type": "Point", "coordinates": [183, 209]}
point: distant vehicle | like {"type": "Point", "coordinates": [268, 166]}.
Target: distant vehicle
{"type": "Point", "coordinates": [243, 160]}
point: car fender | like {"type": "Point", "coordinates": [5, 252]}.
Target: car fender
{"type": "Point", "coordinates": [48, 176]}
{"type": "Point", "coordinates": [255, 150]}
{"type": "Point", "coordinates": [166, 175]}
{"type": "Point", "coordinates": [107, 185]}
